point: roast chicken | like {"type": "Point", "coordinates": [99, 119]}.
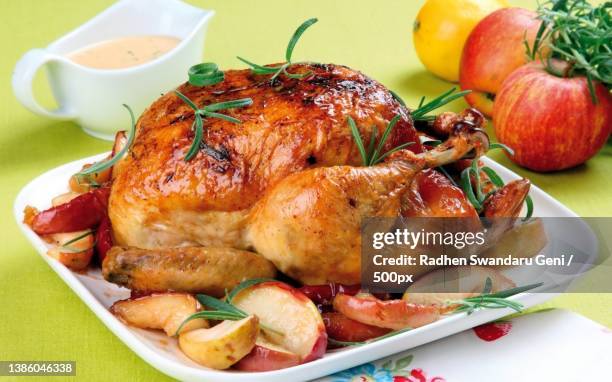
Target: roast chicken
{"type": "Point", "coordinates": [287, 184]}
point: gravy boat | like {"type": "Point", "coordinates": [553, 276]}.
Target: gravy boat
{"type": "Point", "coordinates": [93, 97]}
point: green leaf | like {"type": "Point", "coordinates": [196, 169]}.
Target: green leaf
{"type": "Point", "coordinates": [205, 74]}
{"type": "Point", "coordinates": [219, 305]}
{"type": "Point", "coordinates": [243, 285]}
{"type": "Point", "coordinates": [529, 203]}
{"type": "Point", "coordinates": [358, 141]}
{"type": "Point", "coordinates": [222, 116]}
{"type": "Point", "coordinates": [99, 166]}
{"type": "Point", "coordinates": [402, 363]}
{"type": "Point", "coordinates": [228, 104]}
{"type": "Point", "coordinates": [260, 69]}
{"type": "Point", "coordinates": [497, 145]}
{"type": "Point", "coordinates": [420, 112]}
{"type": "Point", "coordinates": [209, 315]}
{"type": "Point", "coordinates": [493, 177]}
{"type": "Point", "coordinates": [332, 341]}
{"type": "Point", "coordinates": [514, 291]}
{"type": "Point", "coordinates": [383, 139]}
{"type": "Point", "coordinates": [296, 36]}
{"type": "Point", "coordinates": [397, 98]}
{"type": "Point", "coordinates": [395, 149]}
{"type": "Point", "coordinates": [187, 100]}
{"type": "Point", "coordinates": [466, 185]}
{"type": "Point", "coordinates": [198, 127]}
{"type": "Point", "coordinates": [387, 365]}
{"type": "Point", "coordinates": [488, 286]}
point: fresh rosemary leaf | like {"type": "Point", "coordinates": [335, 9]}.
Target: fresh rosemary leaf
{"type": "Point", "coordinates": [529, 204]}
{"type": "Point", "coordinates": [488, 286]}
{"type": "Point", "coordinates": [396, 148]}
{"type": "Point", "coordinates": [198, 130]}
{"type": "Point", "coordinates": [208, 111]}
{"type": "Point", "coordinates": [383, 140]}
{"type": "Point", "coordinates": [243, 285]}
{"type": "Point", "coordinates": [578, 33]}
{"type": "Point", "coordinates": [373, 155]}
{"type": "Point", "coordinates": [75, 239]}
{"type": "Point", "coordinates": [223, 116]}
{"type": "Point", "coordinates": [296, 36]}
{"type": "Point", "coordinates": [209, 315]}
{"type": "Point", "coordinates": [514, 291]}
{"type": "Point", "coordinates": [260, 69]}
{"type": "Point", "coordinates": [103, 165]}
{"type": "Point", "coordinates": [229, 104]}
{"type": "Point", "coordinates": [466, 185]}
{"type": "Point", "coordinates": [497, 145]}
{"type": "Point", "coordinates": [219, 305]}
{"type": "Point", "coordinates": [424, 108]}
{"type": "Point", "coordinates": [205, 74]}
{"type": "Point", "coordinates": [344, 343]}
{"type": "Point", "coordinates": [358, 140]}
{"type": "Point", "coordinates": [397, 98]}
{"type": "Point", "coordinates": [282, 69]}
{"type": "Point", "coordinates": [187, 100]}
{"type": "Point", "coordinates": [493, 177]}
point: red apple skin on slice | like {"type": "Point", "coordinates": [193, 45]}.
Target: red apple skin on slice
{"type": "Point", "coordinates": [267, 356]}
{"type": "Point", "coordinates": [288, 311]}
{"type": "Point", "coordinates": [342, 328]}
{"type": "Point", "coordinates": [390, 314]}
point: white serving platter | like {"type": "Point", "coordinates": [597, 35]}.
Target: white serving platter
{"type": "Point", "coordinates": [163, 353]}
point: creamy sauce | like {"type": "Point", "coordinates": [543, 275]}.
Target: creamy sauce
{"type": "Point", "coordinates": [123, 52]}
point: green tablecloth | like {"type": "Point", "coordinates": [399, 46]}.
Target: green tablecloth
{"type": "Point", "coordinates": [41, 319]}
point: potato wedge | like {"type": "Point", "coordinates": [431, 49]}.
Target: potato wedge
{"type": "Point", "coordinates": [223, 345]}
{"type": "Point", "coordinates": [165, 311]}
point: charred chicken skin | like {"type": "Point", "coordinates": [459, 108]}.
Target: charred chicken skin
{"type": "Point", "coordinates": [287, 183]}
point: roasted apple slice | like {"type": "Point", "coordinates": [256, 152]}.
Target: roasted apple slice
{"type": "Point", "coordinates": [223, 345]}
{"type": "Point", "coordinates": [267, 356]}
{"type": "Point", "coordinates": [444, 285]}
{"type": "Point", "coordinates": [83, 212]}
{"type": "Point", "coordinates": [73, 249]}
{"type": "Point", "coordinates": [324, 294]}
{"type": "Point", "coordinates": [390, 314]}
{"type": "Point", "coordinates": [164, 311]}
{"type": "Point", "coordinates": [342, 328]}
{"type": "Point", "coordinates": [295, 321]}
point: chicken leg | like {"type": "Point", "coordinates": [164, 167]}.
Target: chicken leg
{"type": "Point", "coordinates": [309, 224]}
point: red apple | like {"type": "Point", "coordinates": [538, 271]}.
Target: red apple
{"type": "Point", "coordinates": [267, 356]}
{"type": "Point", "coordinates": [342, 328]}
{"type": "Point", "coordinates": [288, 318]}
{"type": "Point", "coordinates": [495, 48]}
{"type": "Point", "coordinates": [551, 122]}
{"type": "Point", "coordinates": [390, 314]}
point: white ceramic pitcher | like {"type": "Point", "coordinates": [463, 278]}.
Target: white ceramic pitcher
{"type": "Point", "coordinates": [93, 97]}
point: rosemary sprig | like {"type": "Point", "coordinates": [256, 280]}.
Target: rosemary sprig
{"type": "Point", "coordinates": [498, 300]}
{"type": "Point", "coordinates": [66, 246]}
{"type": "Point", "coordinates": [579, 33]}
{"type": "Point", "coordinates": [205, 74]}
{"type": "Point", "coordinates": [225, 310]}
{"type": "Point", "coordinates": [374, 153]}
{"type": "Point", "coordinates": [486, 300]}
{"type": "Point", "coordinates": [283, 68]}
{"type": "Point", "coordinates": [209, 111]}
{"type": "Point", "coordinates": [102, 165]}
{"type": "Point", "coordinates": [420, 113]}
{"type": "Point", "coordinates": [471, 184]}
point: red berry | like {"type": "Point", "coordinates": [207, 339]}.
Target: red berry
{"type": "Point", "coordinates": [493, 330]}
